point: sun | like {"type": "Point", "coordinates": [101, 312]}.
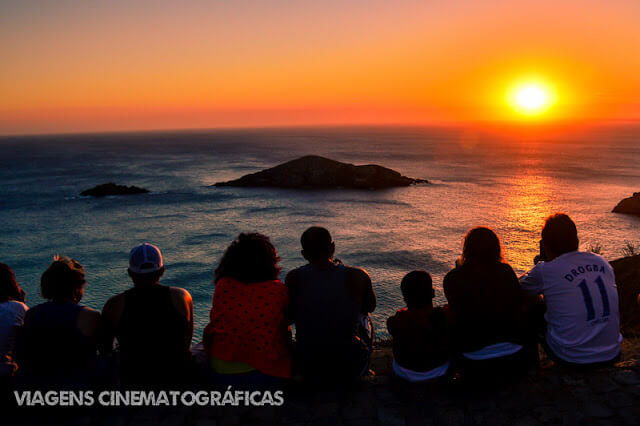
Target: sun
{"type": "Point", "coordinates": [531, 98]}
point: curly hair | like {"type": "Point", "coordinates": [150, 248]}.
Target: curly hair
{"type": "Point", "coordinates": [250, 258]}
{"type": "Point", "coordinates": [62, 278]}
{"type": "Point", "coordinates": [9, 288]}
{"type": "Point", "coordinates": [481, 245]}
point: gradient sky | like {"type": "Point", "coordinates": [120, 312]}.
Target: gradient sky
{"type": "Point", "coordinates": [73, 66]}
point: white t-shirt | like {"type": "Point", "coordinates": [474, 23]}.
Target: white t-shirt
{"type": "Point", "coordinates": [11, 316]}
{"type": "Point", "coordinates": [583, 319]}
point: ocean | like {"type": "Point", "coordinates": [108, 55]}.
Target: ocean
{"type": "Point", "coordinates": [510, 183]}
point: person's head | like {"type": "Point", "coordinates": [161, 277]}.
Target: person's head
{"type": "Point", "coordinates": [317, 245]}
{"type": "Point", "coordinates": [417, 289]}
{"type": "Point", "coordinates": [9, 288]}
{"type": "Point", "coordinates": [145, 264]}
{"type": "Point", "coordinates": [63, 280]}
{"type": "Point", "coordinates": [250, 258]}
{"type": "Point", "coordinates": [481, 245]}
{"type": "Point", "coordinates": [559, 236]}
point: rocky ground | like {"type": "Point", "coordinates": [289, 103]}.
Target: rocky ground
{"type": "Point", "coordinates": [550, 395]}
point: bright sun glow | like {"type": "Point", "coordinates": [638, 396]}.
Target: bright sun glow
{"type": "Point", "coordinates": [531, 98]}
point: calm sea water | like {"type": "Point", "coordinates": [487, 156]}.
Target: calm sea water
{"type": "Point", "coordinates": [508, 183]}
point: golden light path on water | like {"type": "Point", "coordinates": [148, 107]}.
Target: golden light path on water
{"type": "Point", "coordinates": [526, 206]}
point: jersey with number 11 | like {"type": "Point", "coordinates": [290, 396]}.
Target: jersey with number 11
{"type": "Point", "coordinates": [583, 320]}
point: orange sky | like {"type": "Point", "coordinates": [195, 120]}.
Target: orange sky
{"type": "Point", "coordinates": [73, 66]}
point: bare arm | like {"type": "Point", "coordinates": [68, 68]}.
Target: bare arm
{"type": "Point", "coordinates": [111, 313]}
{"type": "Point", "coordinates": [291, 281]}
{"type": "Point", "coordinates": [183, 302]}
{"type": "Point", "coordinates": [364, 287]}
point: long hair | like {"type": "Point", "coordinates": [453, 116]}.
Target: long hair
{"type": "Point", "coordinates": [250, 258]}
{"type": "Point", "coordinates": [481, 245]}
{"type": "Point", "coordinates": [9, 288]}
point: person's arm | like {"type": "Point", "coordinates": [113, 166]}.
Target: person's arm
{"type": "Point", "coordinates": [183, 302]}
{"type": "Point", "coordinates": [291, 282]}
{"type": "Point", "coordinates": [532, 282]}
{"type": "Point", "coordinates": [109, 320]}
{"type": "Point", "coordinates": [446, 288]}
{"type": "Point", "coordinates": [391, 325]}
{"type": "Point", "coordinates": [88, 323]}
{"type": "Point", "coordinates": [364, 288]}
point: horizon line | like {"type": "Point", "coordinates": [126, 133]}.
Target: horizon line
{"type": "Point", "coordinates": [451, 124]}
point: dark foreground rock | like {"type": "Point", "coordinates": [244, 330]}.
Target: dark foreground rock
{"type": "Point", "coordinates": [314, 172]}
{"type": "Point", "coordinates": [113, 189]}
{"type": "Point", "coordinates": [549, 396]}
{"type": "Point", "coordinates": [629, 205]}
{"type": "Point", "coordinates": [627, 272]}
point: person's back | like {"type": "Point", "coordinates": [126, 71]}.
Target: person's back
{"type": "Point", "coordinates": [421, 333]}
{"type": "Point", "coordinates": [325, 310]}
{"type": "Point", "coordinates": [488, 302]}
{"type": "Point", "coordinates": [59, 339]}
{"type": "Point", "coordinates": [54, 347]}
{"type": "Point", "coordinates": [582, 316]}
{"type": "Point", "coordinates": [153, 324]}
{"type": "Point", "coordinates": [329, 307]}
{"type": "Point", "coordinates": [579, 289]}
{"type": "Point", "coordinates": [151, 333]}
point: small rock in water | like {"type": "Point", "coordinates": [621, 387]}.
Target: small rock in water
{"type": "Point", "coordinates": [112, 189]}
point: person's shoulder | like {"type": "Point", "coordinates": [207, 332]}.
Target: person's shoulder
{"type": "Point", "coordinates": [507, 269]}
{"type": "Point", "coordinates": [89, 312]}
{"type": "Point", "coordinates": [397, 318]}
{"type": "Point", "coordinates": [88, 321]}
{"type": "Point", "coordinates": [89, 316]}
{"type": "Point", "coordinates": [180, 293]}
{"type": "Point", "coordinates": [355, 271]}
{"type": "Point", "coordinates": [399, 313]}
{"type": "Point", "coordinates": [16, 306]}
{"type": "Point", "coordinates": [292, 275]}
{"type": "Point", "coordinates": [114, 302]}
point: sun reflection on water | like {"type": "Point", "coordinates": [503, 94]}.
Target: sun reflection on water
{"type": "Point", "coordinates": [527, 204]}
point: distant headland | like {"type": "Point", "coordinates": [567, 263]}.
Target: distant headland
{"type": "Point", "coordinates": [112, 189]}
{"type": "Point", "coordinates": [315, 172]}
{"type": "Point", "coordinates": [629, 205]}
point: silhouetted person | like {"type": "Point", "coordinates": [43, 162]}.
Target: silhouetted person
{"type": "Point", "coordinates": [153, 324]}
{"type": "Point", "coordinates": [12, 312]}
{"type": "Point", "coordinates": [58, 347]}
{"type": "Point", "coordinates": [488, 302]}
{"type": "Point", "coordinates": [421, 333]}
{"type": "Point", "coordinates": [330, 303]}
{"type": "Point", "coordinates": [579, 289]}
{"type": "Point", "coordinates": [248, 339]}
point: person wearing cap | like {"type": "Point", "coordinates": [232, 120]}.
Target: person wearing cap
{"type": "Point", "coordinates": [59, 340]}
{"type": "Point", "coordinates": [153, 324]}
{"type": "Point", "coordinates": [330, 303]}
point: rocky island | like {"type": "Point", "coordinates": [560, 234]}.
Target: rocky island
{"type": "Point", "coordinates": [315, 172]}
{"type": "Point", "coordinates": [629, 205]}
{"type": "Point", "coordinates": [112, 189]}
